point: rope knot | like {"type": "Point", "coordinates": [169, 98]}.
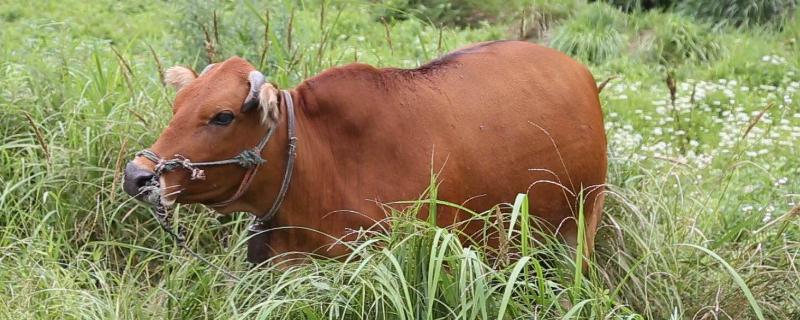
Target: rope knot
{"type": "Point", "coordinates": [292, 146]}
{"type": "Point", "coordinates": [250, 158]}
{"type": "Point", "coordinates": [179, 161]}
{"type": "Point", "coordinates": [198, 174]}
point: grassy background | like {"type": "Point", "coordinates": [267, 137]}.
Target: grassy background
{"type": "Point", "coordinates": [703, 122]}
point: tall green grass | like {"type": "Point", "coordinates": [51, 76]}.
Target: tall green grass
{"type": "Point", "coordinates": [731, 13]}
{"type": "Point", "coordinates": [741, 12]}
{"type": "Point", "coordinates": [701, 220]}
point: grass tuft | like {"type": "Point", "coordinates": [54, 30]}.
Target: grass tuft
{"type": "Point", "coordinates": [673, 39]}
{"type": "Point", "coordinates": [593, 35]}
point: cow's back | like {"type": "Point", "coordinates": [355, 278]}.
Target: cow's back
{"type": "Point", "coordinates": [492, 120]}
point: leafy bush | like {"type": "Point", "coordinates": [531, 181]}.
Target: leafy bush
{"type": "Point", "coordinates": [593, 34]}
{"type": "Point", "coordinates": [740, 12]}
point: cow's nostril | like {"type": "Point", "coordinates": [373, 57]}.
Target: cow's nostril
{"type": "Point", "coordinates": [135, 178]}
{"type": "Point", "coordinates": [140, 181]}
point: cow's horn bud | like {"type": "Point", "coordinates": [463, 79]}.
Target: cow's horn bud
{"type": "Point", "coordinates": [256, 80]}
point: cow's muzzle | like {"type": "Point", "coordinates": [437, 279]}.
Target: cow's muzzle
{"type": "Point", "coordinates": [136, 178]}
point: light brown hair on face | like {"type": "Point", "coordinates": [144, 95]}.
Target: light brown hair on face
{"type": "Point", "coordinates": [179, 77]}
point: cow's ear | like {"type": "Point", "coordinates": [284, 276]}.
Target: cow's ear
{"type": "Point", "coordinates": [268, 99]}
{"type": "Point", "coordinates": [179, 77]}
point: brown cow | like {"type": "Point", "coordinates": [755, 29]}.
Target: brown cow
{"type": "Point", "coordinates": [494, 119]}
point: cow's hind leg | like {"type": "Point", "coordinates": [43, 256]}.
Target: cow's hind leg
{"type": "Point", "coordinates": [592, 214]}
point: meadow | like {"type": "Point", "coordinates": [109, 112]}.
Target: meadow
{"type": "Point", "coordinates": [702, 219]}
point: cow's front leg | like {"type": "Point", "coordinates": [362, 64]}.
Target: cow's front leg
{"type": "Point", "coordinates": [258, 245]}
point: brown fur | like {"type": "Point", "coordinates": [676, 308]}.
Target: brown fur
{"type": "Point", "coordinates": [494, 119]}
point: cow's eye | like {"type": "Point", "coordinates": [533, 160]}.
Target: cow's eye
{"type": "Point", "coordinates": [223, 118]}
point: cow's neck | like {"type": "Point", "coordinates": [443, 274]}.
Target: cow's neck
{"type": "Point", "coordinates": [331, 123]}
{"type": "Point", "coordinates": [324, 118]}
{"type": "Point", "coordinates": [262, 193]}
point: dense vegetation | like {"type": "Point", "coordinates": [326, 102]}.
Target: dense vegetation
{"type": "Point", "coordinates": [703, 119]}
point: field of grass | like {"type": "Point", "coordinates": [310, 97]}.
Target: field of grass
{"type": "Point", "coordinates": [702, 218]}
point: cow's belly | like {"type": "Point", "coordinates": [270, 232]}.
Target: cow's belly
{"type": "Point", "coordinates": [488, 147]}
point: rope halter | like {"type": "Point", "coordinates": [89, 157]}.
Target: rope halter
{"type": "Point", "coordinates": [249, 159]}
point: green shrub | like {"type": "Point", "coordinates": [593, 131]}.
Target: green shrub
{"type": "Point", "coordinates": [459, 13]}
{"type": "Point", "coordinates": [721, 13]}
{"type": "Point", "coordinates": [754, 61]}
{"type": "Point", "coordinates": [638, 5]}
{"type": "Point", "coordinates": [541, 16]}
{"type": "Point", "coordinates": [671, 38]}
{"type": "Point", "coordinates": [740, 12]}
{"type": "Point", "coordinates": [593, 34]}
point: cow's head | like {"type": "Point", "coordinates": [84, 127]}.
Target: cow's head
{"type": "Point", "coordinates": [226, 109]}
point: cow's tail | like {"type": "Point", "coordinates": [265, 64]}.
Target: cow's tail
{"type": "Point", "coordinates": [604, 83]}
